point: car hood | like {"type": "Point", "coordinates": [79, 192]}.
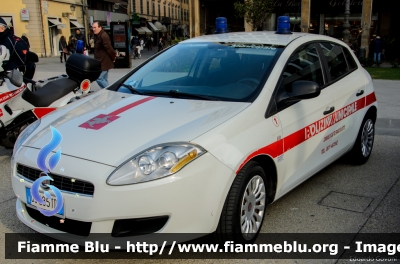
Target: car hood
{"type": "Point", "coordinates": [110, 127]}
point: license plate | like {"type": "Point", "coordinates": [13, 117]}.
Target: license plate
{"type": "Point", "coordinates": [49, 205]}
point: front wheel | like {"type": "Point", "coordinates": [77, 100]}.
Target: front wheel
{"type": "Point", "coordinates": [244, 209]}
{"type": "Point", "coordinates": [362, 148]}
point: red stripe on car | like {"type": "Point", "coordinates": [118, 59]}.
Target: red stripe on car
{"type": "Point", "coordinates": [42, 111]}
{"type": "Point", "coordinates": [287, 143]}
{"type": "Point", "coordinates": [102, 120]}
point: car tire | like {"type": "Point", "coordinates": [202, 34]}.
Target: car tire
{"type": "Point", "coordinates": [362, 148]}
{"type": "Point", "coordinates": [244, 208]}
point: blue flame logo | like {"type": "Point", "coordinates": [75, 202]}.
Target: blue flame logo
{"type": "Point", "coordinates": [53, 161]}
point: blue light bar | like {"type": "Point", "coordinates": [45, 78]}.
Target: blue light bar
{"type": "Point", "coordinates": [221, 25]}
{"type": "Point", "coordinates": [283, 25]}
{"type": "Point", "coordinates": [79, 46]}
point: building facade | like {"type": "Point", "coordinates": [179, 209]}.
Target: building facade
{"type": "Point", "coordinates": [161, 17]}
{"type": "Point", "coordinates": [368, 18]}
{"type": "Point", "coordinates": [44, 22]}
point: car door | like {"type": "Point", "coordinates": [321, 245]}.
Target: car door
{"type": "Point", "coordinates": [303, 122]}
{"type": "Point", "coordinates": [348, 85]}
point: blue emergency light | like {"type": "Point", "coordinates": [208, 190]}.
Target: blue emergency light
{"type": "Point", "coordinates": [79, 46]}
{"type": "Point", "coordinates": [283, 25]}
{"type": "Point", "coordinates": [221, 25]}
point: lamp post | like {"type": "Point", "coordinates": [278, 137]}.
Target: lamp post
{"type": "Point", "coordinates": [346, 24]}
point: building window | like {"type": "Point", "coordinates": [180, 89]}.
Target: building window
{"type": "Point", "coordinates": [154, 9]}
{"type": "Point", "coordinates": [134, 6]}
{"type": "Point", "coordinates": [148, 8]}
{"type": "Point", "coordinates": [159, 10]}
{"type": "Point", "coordinates": [165, 11]}
{"type": "Point", "coordinates": [173, 12]}
{"type": "Point", "coordinates": [169, 11]}
{"type": "Point", "coordinates": [141, 6]}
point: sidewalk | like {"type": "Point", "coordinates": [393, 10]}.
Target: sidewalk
{"type": "Point", "coordinates": [51, 66]}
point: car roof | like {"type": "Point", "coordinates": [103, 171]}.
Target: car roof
{"type": "Point", "coordinates": [256, 37]}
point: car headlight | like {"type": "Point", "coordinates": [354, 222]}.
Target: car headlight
{"type": "Point", "coordinates": [25, 134]}
{"type": "Point", "coordinates": [155, 163]}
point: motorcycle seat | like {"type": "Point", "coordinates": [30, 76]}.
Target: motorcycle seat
{"type": "Point", "coordinates": [50, 92]}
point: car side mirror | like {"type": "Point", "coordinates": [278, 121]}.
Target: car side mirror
{"type": "Point", "coordinates": [304, 90]}
{"type": "Point", "coordinates": [15, 77]}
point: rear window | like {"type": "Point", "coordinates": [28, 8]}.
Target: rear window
{"type": "Point", "coordinates": [336, 62]}
{"type": "Point", "coordinates": [350, 59]}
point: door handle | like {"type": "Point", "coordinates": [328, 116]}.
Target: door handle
{"type": "Point", "coordinates": [361, 92]}
{"type": "Point", "coordinates": [329, 111]}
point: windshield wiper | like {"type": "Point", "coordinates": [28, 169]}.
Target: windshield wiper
{"type": "Point", "coordinates": [177, 94]}
{"type": "Point", "coordinates": [132, 89]}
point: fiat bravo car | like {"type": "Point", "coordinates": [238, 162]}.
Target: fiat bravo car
{"type": "Point", "coordinates": [200, 138]}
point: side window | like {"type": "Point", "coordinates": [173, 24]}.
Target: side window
{"type": "Point", "coordinates": [350, 59]}
{"type": "Point", "coordinates": [337, 65]}
{"type": "Point", "coordinates": [303, 65]}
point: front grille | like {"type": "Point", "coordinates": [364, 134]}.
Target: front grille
{"type": "Point", "coordinates": [74, 227]}
{"type": "Point", "coordinates": [61, 182]}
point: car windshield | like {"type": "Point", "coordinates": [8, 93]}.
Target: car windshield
{"type": "Point", "coordinates": [211, 71]}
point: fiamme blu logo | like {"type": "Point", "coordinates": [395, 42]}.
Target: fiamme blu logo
{"type": "Point", "coordinates": [41, 187]}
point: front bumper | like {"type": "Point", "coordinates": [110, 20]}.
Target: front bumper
{"type": "Point", "coordinates": [192, 198]}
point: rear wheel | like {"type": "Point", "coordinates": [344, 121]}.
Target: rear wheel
{"type": "Point", "coordinates": [362, 148]}
{"type": "Point", "coordinates": [244, 209]}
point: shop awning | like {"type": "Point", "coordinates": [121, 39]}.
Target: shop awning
{"type": "Point", "coordinates": [55, 22]}
{"type": "Point", "coordinates": [140, 31]}
{"type": "Point", "coordinates": [75, 24]}
{"type": "Point", "coordinates": [7, 20]}
{"type": "Point", "coordinates": [154, 28]}
{"type": "Point", "coordinates": [147, 31]}
{"type": "Point", "coordinates": [164, 29]}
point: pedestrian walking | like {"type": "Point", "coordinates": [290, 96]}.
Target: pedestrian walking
{"type": "Point", "coordinates": [149, 43]}
{"type": "Point", "coordinates": [141, 42]}
{"type": "Point", "coordinates": [71, 44]}
{"type": "Point", "coordinates": [160, 45]}
{"type": "Point", "coordinates": [135, 45]}
{"type": "Point", "coordinates": [103, 52]}
{"type": "Point", "coordinates": [377, 49]}
{"type": "Point", "coordinates": [80, 36]}
{"type": "Point", "coordinates": [62, 47]}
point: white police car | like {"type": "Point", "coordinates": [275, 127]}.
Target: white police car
{"type": "Point", "coordinates": [201, 138]}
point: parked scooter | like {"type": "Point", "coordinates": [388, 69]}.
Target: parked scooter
{"type": "Point", "coordinates": [20, 106]}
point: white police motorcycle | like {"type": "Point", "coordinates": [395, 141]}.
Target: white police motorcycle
{"type": "Point", "coordinates": [23, 101]}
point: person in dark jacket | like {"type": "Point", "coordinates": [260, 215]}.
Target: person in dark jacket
{"type": "Point", "coordinates": [135, 44]}
{"type": "Point", "coordinates": [80, 36]}
{"type": "Point", "coordinates": [160, 44]}
{"type": "Point", "coordinates": [25, 38]}
{"type": "Point", "coordinates": [71, 44]}
{"type": "Point", "coordinates": [103, 52]}
{"type": "Point", "coordinates": [16, 46]}
{"type": "Point", "coordinates": [377, 48]}
{"type": "Point", "coordinates": [62, 47]}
